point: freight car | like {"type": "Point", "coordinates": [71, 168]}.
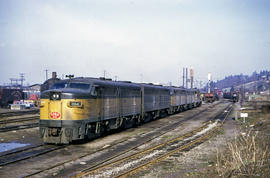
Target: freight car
{"type": "Point", "coordinates": [209, 97]}
{"type": "Point", "coordinates": [82, 108]}
{"type": "Point", "coordinates": [235, 97]}
{"type": "Point", "coordinates": [232, 96]}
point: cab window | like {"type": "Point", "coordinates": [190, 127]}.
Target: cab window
{"type": "Point", "coordinates": [83, 86]}
{"type": "Point", "coordinates": [59, 85]}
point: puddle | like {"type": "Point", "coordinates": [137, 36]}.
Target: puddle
{"type": "Point", "coordinates": [10, 146]}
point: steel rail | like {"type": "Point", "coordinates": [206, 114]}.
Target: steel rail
{"type": "Point", "coordinates": [27, 153]}
{"type": "Point", "coordinates": [18, 127]}
{"type": "Point", "coordinates": [16, 113]}
{"type": "Point", "coordinates": [160, 158]}
{"type": "Point", "coordinates": [134, 155]}
{"type": "Point", "coordinates": [117, 155]}
{"type": "Point", "coordinates": [181, 148]}
{"type": "Point", "coordinates": [97, 168]}
{"type": "Point", "coordinates": [22, 119]}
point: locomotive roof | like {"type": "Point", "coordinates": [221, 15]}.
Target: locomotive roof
{"type": "Point", "coordinates": [105, 81]}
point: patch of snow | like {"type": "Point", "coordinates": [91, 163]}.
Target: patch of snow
{"type": "Point", "coordinates": [109, 173]}
{"type": "Point", "coordinates": [10, 146]}
{"type": "Point", "coordinates": [210, 126]}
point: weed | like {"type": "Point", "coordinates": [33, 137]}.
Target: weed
{"type": "Point", "coordinates": [247, 156]}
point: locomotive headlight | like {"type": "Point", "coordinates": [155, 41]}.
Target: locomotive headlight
{"type": "Point", "coordinates": [55, 96]}
{"type": "Point", "coordinates": [75, 104]}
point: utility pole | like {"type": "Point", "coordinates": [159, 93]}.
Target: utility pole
{"type": "Point", "coordinates": [104, 73]}
{"type": "Point", "coordinates": [22, 78]}
{"type": "Point", "coordinates": [186, 77]}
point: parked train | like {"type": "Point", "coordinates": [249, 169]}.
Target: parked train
{"type": "Point", "coordinates": [80, 108]}
{"type": "Point", "coordinates": [209, 97]}
{"type": "Point", "coordinates": [232, 96]}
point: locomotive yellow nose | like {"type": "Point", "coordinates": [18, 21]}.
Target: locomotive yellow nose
{"type": "Point", "coordinates": [55, 110]}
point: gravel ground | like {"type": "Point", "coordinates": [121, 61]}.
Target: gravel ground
{"type": "Point", "coordinates": [190, 163]}
{"type": "Point", "coordinates": [31, 136]}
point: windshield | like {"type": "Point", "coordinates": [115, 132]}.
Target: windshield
{"type": "Point", "coordinates": [59, 85]}
{"type": "Point", "coordinates": [82, 86]}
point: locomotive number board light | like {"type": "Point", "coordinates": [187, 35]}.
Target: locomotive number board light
{"type": "Point", "coordinates": [76, 104]}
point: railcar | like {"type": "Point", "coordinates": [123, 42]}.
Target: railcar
{"type": "Point", "coordinates": [80, 108]}
{"type": "Point", "coordinates": [232, 96]}
{"type": "Point", "coordinates": [209, 97]}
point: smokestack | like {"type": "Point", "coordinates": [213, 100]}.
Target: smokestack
{"type": "Point", "coordinates": [183, 77]}
{"type": "Point", "coordinates": [186, 77]}
{"type": "Point", "coordinates": [191, 72]}
{"type": "Point", "coordinates": [209, 80]}
{"type": "Point", "coordinates": [54, 75]}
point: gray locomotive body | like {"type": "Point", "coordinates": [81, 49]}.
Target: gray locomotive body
{"type": "Point", "coordinates": [93, 106]}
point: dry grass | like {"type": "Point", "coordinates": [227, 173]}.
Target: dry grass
{"type": "Point", "coordinates": [246, 156]}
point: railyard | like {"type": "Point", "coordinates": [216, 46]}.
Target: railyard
{"type": "Point", "coordinates": [170, 136]}
{"type": "Point", "coordinates": [134, 89]}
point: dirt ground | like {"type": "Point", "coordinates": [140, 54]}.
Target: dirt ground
{"type": "Point", "coordinates": [197, 160]}
{"type": "Point", "coordinates": [201, 160]}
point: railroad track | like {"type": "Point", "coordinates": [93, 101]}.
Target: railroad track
{"type": "Point", "coordinates": [133, 163]}
{"type": "Point", "coordinates": [14, 120]}
{"type": "Point", "coordinates": [17, 113]}
{"type": "Point", "coordinates": [19, 127]}
{"type": "Point", "coordinates": [10, 124]}
{"type": "Point", "coordinates": [132, 146]}
{"type": "Point", "coordinates": [28, 152]}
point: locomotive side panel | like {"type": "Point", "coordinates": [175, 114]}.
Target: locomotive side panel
{"type": "Point", "coordinates": [164, 99]}
{"type": "Point", "coordinates": [110, 107]}
{"type": "Point", "coordinates": [150, 99]}
{"type": "Point", "coordinates": [130, 101]}
{"type": "Point", "coordinates": [156, 98]}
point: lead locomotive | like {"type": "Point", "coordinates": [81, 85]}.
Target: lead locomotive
{"type": "Point", "coordinates": [80, 108]}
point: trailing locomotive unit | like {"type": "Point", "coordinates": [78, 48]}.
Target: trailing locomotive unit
{"type": "Point", "coordinates": [81, 108]}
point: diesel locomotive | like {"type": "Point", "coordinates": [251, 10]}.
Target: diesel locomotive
{"type": "Point", "coordinates": [79, 108]}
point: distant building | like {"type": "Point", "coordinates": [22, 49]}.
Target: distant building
{"type": "Point", "coordinates": [35, 87]}
{"type": "Point", "coordinates": [49, 83]}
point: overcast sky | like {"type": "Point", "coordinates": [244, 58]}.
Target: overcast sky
{"type": "Point", "coordinates": [149, 40]}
